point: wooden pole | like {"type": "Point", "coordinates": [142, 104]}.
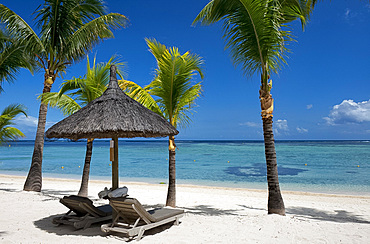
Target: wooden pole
{"type": "Point", "coordinates": [115, 164]}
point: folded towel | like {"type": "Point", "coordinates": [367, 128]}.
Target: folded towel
{"type": "Point", "coordinates": [119, 192]}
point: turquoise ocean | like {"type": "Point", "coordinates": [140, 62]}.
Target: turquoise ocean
{"type": "Point", "coordinates": [312, 166]}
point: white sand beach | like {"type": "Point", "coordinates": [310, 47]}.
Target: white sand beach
{"type": "Point", "coordinates": [213, 215]}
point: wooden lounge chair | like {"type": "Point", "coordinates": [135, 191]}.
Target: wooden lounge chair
{"type": "Point", "coordinates": [132, 219]}
{"type": "Point", "coordinates": [84, 212]}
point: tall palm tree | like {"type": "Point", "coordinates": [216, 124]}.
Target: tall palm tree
{"type": "Point", "coordinates": [171, 94]}
{"type": "Point", "coordinates": [69, 29]}
{"type": "Point", "coordinates": [256, 32]}
{"type": "Point", "coordinates": [78, 92]}
{"type": "Point", "coordinates": [8, 132]}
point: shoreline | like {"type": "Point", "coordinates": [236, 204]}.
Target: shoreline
{"type": "Point", "coordinates": [212, 215]}
{"type": "Point", "coordinates": [107, 183]}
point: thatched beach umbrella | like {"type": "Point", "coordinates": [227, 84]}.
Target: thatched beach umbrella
{"type": "Point", "coordinates": [112, 115]}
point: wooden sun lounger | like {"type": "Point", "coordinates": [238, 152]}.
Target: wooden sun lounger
{"type": "Point", "coordinates": [84, 212]}
{"type": "Point", "coordinates": [132, 219]}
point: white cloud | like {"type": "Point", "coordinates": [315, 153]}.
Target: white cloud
{"type": "Point", "coordinates": [309, 106]}
{"type": "Point", "coordinates": [250, 124]}
{"type": "Point", "coordinates": [349, 112]}
{"type": "Point", "coordinates": [301, 130]}
{"type": "Point", "coordinates": [29, 121]}
{"type": "Point", "coordinates": [281, 126]}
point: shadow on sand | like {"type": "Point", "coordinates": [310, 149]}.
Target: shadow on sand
{"type": "Point", "coordinates": [47, 225]}
{"type": "Point", "coordinates": [94, 230]}
{"type": "Point", "coordinates": [206, 210]}
{"type": "Point", "coordinates": [340, 216]}
{"type": "Point", "coordinates": [9, 190]}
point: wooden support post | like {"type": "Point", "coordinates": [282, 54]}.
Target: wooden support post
{"type": "Point", "coordinates": [115, 164]}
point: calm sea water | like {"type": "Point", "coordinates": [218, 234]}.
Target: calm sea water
{"type": "Point", "coordinates": [313, 166]}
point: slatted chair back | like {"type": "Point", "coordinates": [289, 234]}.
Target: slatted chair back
{"type": "Point", "coordinates": [130, 210]}
{"type": "Point", "coordinates": [82, 206]}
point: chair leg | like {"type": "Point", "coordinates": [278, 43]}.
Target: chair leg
{"type": "Point", "coordinates": [115, 221]}
{"type": "Point", "coordinates": [140, 235]}
{"type": "Point", "coordinates": [87, 225]}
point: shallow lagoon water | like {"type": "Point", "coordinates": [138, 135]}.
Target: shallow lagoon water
{"type": "Point", "coordinates": [313, 166]}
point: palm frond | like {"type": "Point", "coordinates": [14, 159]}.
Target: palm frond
{"type": "Point", "coordinates": [19, 29]}
{"type": "Point", "coordinates": [173, 82]}
{"type": "Point", "coordinates": [140, 94]}
{"type": "Point", "coordinates": [77, 92]}
{"type": "Point", "coordinates": [156, 48]}
{"type": "Point", "coordinates": [256, 31]}
{"type": "Point", "coordinates": [90, 34]}
{"type": "Point", "coordinates": [215, 11]}
{"type": "Point", "coordinates": [70, 29]}
{"type": "Point", "coordinates": [297, 9]}
{"type": "Point", "coordinates": [187, 104]}
{"type": "Point", "coordinates": [60, 19]}
{"type": "Point", "coordinates": [6, 119]}
{"type": "Point", "coordinates": [13, 110]}
{"type": "Point", "coordinates": [10, 133]}
{"type": "Point", "coordinates": [13, 57]}
{"type": "Point", "coordinates": [15, 42]}
{"type": "Point", "coordinates": [63, 102]}
{"type": "Point", "coordinates": [253, 38]}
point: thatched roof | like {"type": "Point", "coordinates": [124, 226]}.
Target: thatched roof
{"type": "Point", "coordinates": [112, 114]}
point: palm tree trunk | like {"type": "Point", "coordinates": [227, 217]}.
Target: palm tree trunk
{"type": "Point", "coordinates": [275, 200]}
{"type": "Point", "coordinates": [171, 193]}
{"type": "Point", "coordinates": [83, 192]}
{"type": "Point", "coordinates": [34, 177]}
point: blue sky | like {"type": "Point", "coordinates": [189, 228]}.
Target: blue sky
{"type": "Point", "coordinates": [323, 92]}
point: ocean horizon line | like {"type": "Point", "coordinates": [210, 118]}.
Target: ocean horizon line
{"type": "Point", "coordinates": [196, 140]}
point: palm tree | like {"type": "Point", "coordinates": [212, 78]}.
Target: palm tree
{"type": "Point", "coordinates": [7, 132]}
{"type": "Point", "coordinates": [174, 95]}
{"type": "Point", "coordinates": [69, 29]}
{"type": "Point", "coordinates": [256, 32]}
{"type": "Point", "coordinates": [78, 92]}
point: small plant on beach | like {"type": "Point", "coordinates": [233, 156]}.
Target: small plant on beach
{"type": "Point", "coordinates": [171, 94]}
{"type": "Point", "coordinates": [7, 131]}
{"type": "Point", "coordinates": [78, 92]}
{"type": "Point", "coordinates": [256, 32]}
{"type": "Point", "coordinates": [68, 30]}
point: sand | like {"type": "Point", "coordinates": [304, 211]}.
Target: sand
{"type": "Point", "coordinates": [213, 215]}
